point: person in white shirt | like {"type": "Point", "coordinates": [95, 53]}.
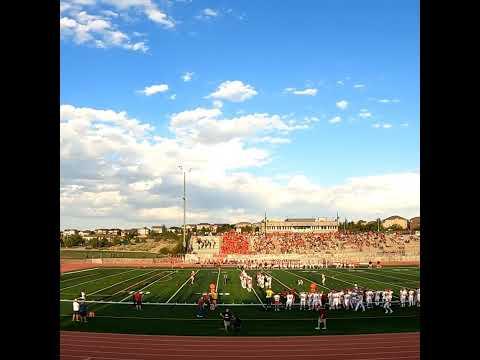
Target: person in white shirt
{"type": "Point", "coordinates": [83, 296]}
{"type": "Point", "coordinates": [387, 297]}
{"type": "Point", "coordinates": [289, 301]}
{"type": "Point", "coordinates": [300, 282]}
{"type": "Point", "coordinates": [403, 297]}
{"type": "Point", "coordinates": [418, 297]}
{"type": "Point", "coordinates": [377, 297]}
{"type": "Point", "coordinates": [192, 277]}
{"type": "Point", "coordinates": [346, 300]}
{"type": "Point", "coordinates": [303, 300]}
{"type": "Point", "coordinates": [411, 301]}
{"type": "Point", "coordinates": [76, 310]}
{"type": "Point", "coordinates": [249, 284]}
{"type": "Point", "coordinates": [316, 300]}
{"type": "Point", "coordinates": [276, 302]}
{"type": "Point", "coordinates": [310, 301]}
{"type": "Point", "coordinates": [369, 299]}
{"type": "Point", "coordinates": [360, 302]}
{"type": "Point", "coordinates": [323, 279]}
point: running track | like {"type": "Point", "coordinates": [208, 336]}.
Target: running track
{"type": "Point", "coordinates": [102, 346]}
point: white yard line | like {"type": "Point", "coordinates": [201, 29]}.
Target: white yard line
{"type": "Point", "coordinates": [139, 282]}
{"type": "Point", "coordinates": [397, 278]}
{"type": "Point", "coordinates": [362, 277]}
{"type": "Point", "coordinates": [181, 287]}
{"type": "Point", "coordinates": [76, 278]}
{"type": "Point", "coordinates": [100, 278]}
{"type": "Point", "coordinates": [416, 276]}
{"type": "Point", "coordinates": [304, 278]}
{"type": "Point", "coordinates": [74, 272]}
{"type": "Point", "coordinates": [251, 319]}
{"type": "Point", "coordinates": [258, 297]}
{"type": "Point", "coordinates": [170, 273]}
{"type": "Point", "coordinates": [218, 278]}
{"type": "Point", "coordinates": [121, 282]}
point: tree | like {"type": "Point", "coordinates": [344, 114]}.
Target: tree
{"type": "Point", "coordinates": [93, 243]}
{"type": "Point", "coordinates": [116, 241]}
{"type": "Point", "coordinates": [73, 240]}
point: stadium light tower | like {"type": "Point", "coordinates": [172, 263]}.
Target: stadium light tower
{"type": "Point", "coordinates": [184, 205]}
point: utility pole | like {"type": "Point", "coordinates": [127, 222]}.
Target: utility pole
{"type": "Point", "coordinates": [265, 224]}
{"type": "Point", "coordinates": [184, 208]}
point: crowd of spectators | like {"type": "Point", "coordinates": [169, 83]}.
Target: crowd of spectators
{"type": "Point", "coordinates": [234, 243]}
{"type": "Point", "coordinates": [205, 243]}
{"type": "Point", "coordinates": [307, 243]}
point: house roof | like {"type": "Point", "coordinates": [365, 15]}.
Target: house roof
{"type": "Point", "coordinates": [300, 220]}
{"type": "Point", "coordinates": [394, 217]}
{"type": "Point", "coordinates": [416, 218]}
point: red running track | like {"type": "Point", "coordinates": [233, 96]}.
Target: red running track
{"type": "Point", "coordinates": [102, 346]}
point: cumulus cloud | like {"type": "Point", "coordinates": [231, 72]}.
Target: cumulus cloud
{"type": "Point", "coordinates": [147, 7]}
{"type": "Point", "coordinates": [384, 125]}
{"type": "Point", "coordinates": [173, 96]}
{"type": "Point", "coordinates": [359, 86]}
{"type": "Point", "coordinates": [340, 82]}
{"type": "Point", "coordinates": [307, 92]}
{"type": "Point", "coordinates": [335, 120]}
{"type": "Point", "coordinates": [187, 76]}
{"type": "Point", "coordinates": [342, 104]}
{"type": "Point", "coordinates": [404, 124]}
{"type": "Point", "coordinates": [364, 114]}
{"type": "Point", "coordinates": [154, 89]}
{"type": "Point", "coordinates": [235, 91]}
{"type": "Point", "coordinates": [115, 172]}
{"type": "Point", "coordinates": [84, 28]}
{"type": "Point", "coordinates": [209, 12]}
{"type": "Point", "coordinates": [388, 101]}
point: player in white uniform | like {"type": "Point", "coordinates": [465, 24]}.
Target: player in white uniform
{"type": "Point", "coordinates": [303, 300]}
{"type": "Point", "coordinates": [300, 282]}
{"type": "Point", "coordinates": [310, 301]}
{"type": "Point", "coordinates": [316, 300]}
{"type": "Point", "coordinates": [83, 296]}
{"type": "Point", "coordinates": [192, 277]}
{"type": "Point", "coordinates": [243, 281]}
{"type": "Point", "coordinates": [369, 295]}
{"type": "Point", "coordinates": [323, 279]}
{"type": "Point", "coordinates": [289, 302]}
{"type": "Point", "coordinates": [249, 284]}
{"type": "Point", "coordinates": [269, 281]}
{"type": "Point", "coordinates": [360, 301]}
{"type": "Point", "coordinates": [418, 297]}
{"type": "Point", "coordinates": [387, 296]}
{"type": "Point", "coordinates": [403, 297]}
{"type": "Point", "coordinates": [346, 299]}
{"type": "Point", "coordinates": [377, 297]}
{"type": "Point", "coordinates": [411, 299]}
{"type": "Point", "coordinates": [276, 302]}
{"type": "Point", "coordinates": [330, 298]}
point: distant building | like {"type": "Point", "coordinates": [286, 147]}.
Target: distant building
{"type": "Point", "coordinates": [301, 225]}
{"type": "Point", "coordinates": [174, 229]}
{"type": "Point", "coordinates": [203, 226]}
{"type": "Point", "coordinates": [241, 225]}
{"type": "Point", "coordinates": [157, 229]}
{"type": "Point", "coordinates": [395, 220]}
{"type": "Point", "coordinates": [115, 232]}
{"type": "Point", "coordinates": [84, 233]}
{"type": "Point", "coordinates": [143, 232]}
{"type": "Point", "coordinates": [68, 232]}
{"type": "Point", "coordinates": [414, 223]}
{"type": "Point", "coordinates": [101, 231]}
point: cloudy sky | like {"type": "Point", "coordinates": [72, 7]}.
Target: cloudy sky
{"type": "Point", "coordinates": [299, 108]}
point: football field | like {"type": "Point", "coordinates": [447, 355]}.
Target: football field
{"type": "Point", "coordinates": [170, 301]}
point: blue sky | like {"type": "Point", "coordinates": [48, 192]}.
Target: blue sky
{"type": "Point", "coordinates": [276, 48]}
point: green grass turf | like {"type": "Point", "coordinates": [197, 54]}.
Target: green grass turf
{"type": "Point", "coordinates": [116, 284]}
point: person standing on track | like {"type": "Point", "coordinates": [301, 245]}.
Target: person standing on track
{"type": "Point", "coordinates": [227, 318]}
{"type": "Point", "coordinates": [268, 297]}
{"type": "Point", "coordinates": [76, 310]}
{"type": "Point", "coordinates": [322, 318]}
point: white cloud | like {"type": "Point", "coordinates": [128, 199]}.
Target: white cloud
{"type": "Point", "coordinates": [116, 173]}
{"type": "Point", "coordinates": [187, 76]}
{"type": "Point", "coordinates": [358, 86]}
{"type": "Point", "coordinates": [384, 125]}
{"type": "Point", "coordinates": [151, 90]}
{"type": "Point", "coordinates": [310, 119]}
{"type": "Point", "coordinates": [308, 91]}
{"type": "Point", "coordinates": [206, 126]}
{"type": "Point", "coordinates": [387, 101]}
{"type": "Point", "coordinates": [273, 140]}
{"type": "Point", "coordinates": [84, 28]}
{"type": "Point", "coordinates": [342, 104]}
{"type": "Point", "coordinates": [148, 7]}
{"type": "Point", "coordinates": [364, 113]}
{"type": "Point", "coordinates": [173, 96]}
{"type": "Point", "coordinates": [217, 104]}
{"type": "Point", "coordinates": [404, 124]}
{"type": "Point", "coordinates": [335, 120]}
{"type": "Point", "coordinates": [340, 82]}
{"type": "Point", "coordinates": [209, 12]}
{"type": "Point", "coordinates": [235, 91]}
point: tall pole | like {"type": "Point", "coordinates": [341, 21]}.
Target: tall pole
{"type": "Point", "coordinates": [378, 224]}
{"type": "Point", "coordinates": [184, 212]}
